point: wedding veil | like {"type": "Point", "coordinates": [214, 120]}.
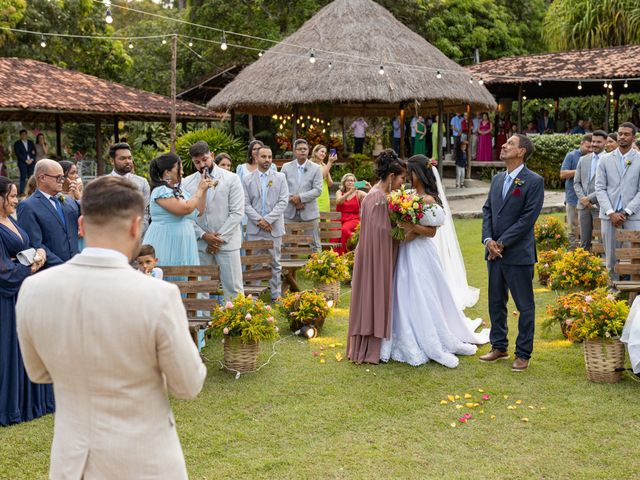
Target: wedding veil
{"type": "Point", "coordinates": [450, 255]}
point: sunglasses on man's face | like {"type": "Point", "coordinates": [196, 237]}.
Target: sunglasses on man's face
{"type": "Point", "coordinates": [59, 178]}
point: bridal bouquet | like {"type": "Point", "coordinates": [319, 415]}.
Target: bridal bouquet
{"type": "Point", "coordinates": [406, 206]}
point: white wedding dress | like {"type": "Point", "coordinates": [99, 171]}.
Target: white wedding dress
{"type": "Point", "coordinates": [427, 324]}
{"type": "Point", "coordinates": [450, 255]}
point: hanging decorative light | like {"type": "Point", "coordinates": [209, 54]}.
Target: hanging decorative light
{"type": "Point", "coordinates": [43, 42]}
{"type": "Point", "coordinates": [438, 75]}
{"type": "Point", "coordinates": [579, 85]}
{"type": "Point", "coordinates": [223, 42]}
{"type": "Point", "coordinates": [312, 56]}
{"type": "Point", "coordinates": [381, 71]}
{"type": "Point", "coordinates": [108, 18]}
{"type": "Point", "coordinates": [130, 44]}
{"type": "Point", "coordinates": [626, 84]}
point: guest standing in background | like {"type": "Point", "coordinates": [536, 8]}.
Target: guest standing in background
{"type": "Point", "coordinates": [359, 127]}
{"type": "Point", "coordinates": [224, 161]}
{"type": "Point", "coordinates": [420, 144]}
{"type": "Point", "coordinates": [42, 149]}
{"type": "Point", "coordinates": [318, 154]}
{"type": "Point", "coordinates": [397, 137]}
{"type": "Point", "coordinates": [25, 152]}
{"type": "Point", "coordinates": [348, 201]}
{"type": "Point", "coordinates": [172, 212]}
{"type": "Point", "coordinates": [123, 166]}
{"type": "Point", "coordinates": [612, 142]}
{"type": "Point", "coordinates": [371, 296]}
{"type": "Point", "coordinates": [250, 166]}
{"type": "Point", "coordinates": [485, 146]}
{"type": "Point", "coordinates": [436, 129]}
{"type": "Point", "coordinates": [49, 218]}
{"type": "Point", "coordinates": [475, 126]}
{"type": "Point", "coordinates": [20, 399]}
{"type": "Point", "coordinates": [412, 125]}
{"type": "Point", "coordinates": [567, 172]}
{"type": "Point", "coordinates": [72, 185]}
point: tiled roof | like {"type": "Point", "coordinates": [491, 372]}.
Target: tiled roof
{"type": "Point", "coordinates": [37, 90]}
{"type": "Point", "coordinates": [598, 63]}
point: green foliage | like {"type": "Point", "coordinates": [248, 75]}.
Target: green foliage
{"type": "Point", "coordinates": [218, 141]}
{"type": "Point", "coordinates": [142, 158]}
{"type": "Point", "coordinates": [327, 267]}
{"type": "Point", "coordinates": [247, 318]}
{"type": "Point", "coordinates": [11, 12]}
{"type": "Point", "coordinates": [546, 259]}
{"type": "Point", "coordinates": [549, 154]}
{"type": "Point", "coordinates": [304, 308]}
{"type": "Point", "coordinates": [578, 269]}
{"type": "Point", "coordinates": [100, 57]}
{"type": "Point", "coordinates": [577, 24]}
{"type": "Point", "coordinates": [550, 233]}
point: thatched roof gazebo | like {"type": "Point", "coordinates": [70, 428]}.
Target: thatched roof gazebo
{"type": "Point", "coordinates": [352, 40]}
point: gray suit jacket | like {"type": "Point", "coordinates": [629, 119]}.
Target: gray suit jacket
{"type": "Point", "coordinates": [224, 208]}
{"type": "Point", "coordinates": [309, 188]}
{"type": "Point", "coordinates": [276, 201]}
{"type": "Point", "coordinates": [143, 186]}
{"type": "Point", "coordinates": [612, 182]}
{"type": "Point", "coordinates": [582, 184]}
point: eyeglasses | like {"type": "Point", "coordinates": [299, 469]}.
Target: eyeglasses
{"type": "Point", "coordinates": [59, 178]}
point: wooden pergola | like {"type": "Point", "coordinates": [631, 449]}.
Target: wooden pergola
{"type": "Point", "coordinates": [33, 91]}
{"type": "Point", "coordinates": [577, 73]}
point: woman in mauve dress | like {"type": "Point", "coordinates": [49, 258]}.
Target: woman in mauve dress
{"type": "Point", "coordinates": [372, 283]}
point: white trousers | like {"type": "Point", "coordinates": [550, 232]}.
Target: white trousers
{"type": "Point", "coordinates": [230, 269]}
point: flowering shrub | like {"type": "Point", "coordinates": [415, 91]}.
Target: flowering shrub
{"type": "Point", "coordinates": [578, 269]}
{"type": "Point", "coordinates": [327, 267]}
{"type": "Point", "coordinates": [245, 317]}
{"type": "Point", "coordinates": [546, 259]}
{"type": "Point", "coordinates": [352, 243]}
{"type": "Point", "coordinates": [304, 308]}
{"type": "Point", "coordinates": [566, 310]}
{"type": "Point", "coordinates": [349, 259]}
{"type": "Point", "coordinates": [550, 233]}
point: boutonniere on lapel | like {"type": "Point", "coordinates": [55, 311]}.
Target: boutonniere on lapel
{"type": "Point", "coordinates": [215, 183]}
{"type": "Point", "coordinates": [61, 198]}
{"type": "Point", "coordinates": [304, 169]}
{"type": "Point", "coordinates": [518, 183]}
{"type": "Point", "coordinates": [270, 184]}
{"type": "Point", "coordinates": [627, 162]}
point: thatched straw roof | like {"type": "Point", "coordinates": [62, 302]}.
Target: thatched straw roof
{"type": "Point", "coordinates": [365, 35]}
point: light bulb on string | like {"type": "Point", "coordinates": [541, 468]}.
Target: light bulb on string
{"type": "Point", "coordinates": [626, 84]}
{"type": "Point", "coordinates": [108, 18]}
{"type": "Point", "coordinates": [164, 41]}
{"type": "Point", "coordinates": [471, 80]}
{"type": "Point", "coordinates": [190, 43]}
{"type": "Point", "coordinates": [481, 82]}
{"type": "Point", "coordinates": [579, 85]}
{"type": "Point", "coordinates": [130, 44]}
{"type": "Point", "coordinates": [610, 85]}
{"type": "Point", "coordinates": [605, 84]}
{"type": "Point", "coordinates": [260, 53]}
{"type": "Point", "coordinates": [312, 56]}
{"type": "Point", "coordinates": [539, 83]}
{"type": "Point", "coordinates": [330, 64]}
{"type": "Point", "coordinates": [43, 42]}
{"type": "Point", "coordinates": [611, 93]}
{"type": "Point", "coordinates": [223, 42]}
{"type": "Point", "coordinates": [302, 125]}
{"type": "Point", "coordinates": [107, 3]}
{"type": "Point", "coordinates": [524, 97]}
{"type": "Point", "coordinates": [438, 75]}
{"type": "Point", "coordinates": [381, 71]}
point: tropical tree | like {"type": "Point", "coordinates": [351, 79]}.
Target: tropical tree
{"type": "Point", "coordinates": [577, 24]}
{"type": "Point", "coordinates": [11, 12]}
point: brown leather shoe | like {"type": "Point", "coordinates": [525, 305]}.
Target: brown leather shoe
{"type": "Point", "coordinates": [493, 356]}
{"type": "Point", "coordinates": [519, 365]}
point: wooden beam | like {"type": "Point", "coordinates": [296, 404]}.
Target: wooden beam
{"type": "Point", "coordinates": [439, 142]}
{"type": "Point", "coordinates": [116, 130]}
{"type": "Point", "coordinates": [401, 132]}
{"type": "Point", "coordinates": [58, 137]}
{"type": "Point", "coordinates": [99, 157]}
{"type": "Point", "coordinates": [519, 108]}
{"type": "Point", "coordinates": [250, 122]}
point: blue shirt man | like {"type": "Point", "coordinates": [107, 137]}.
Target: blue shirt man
{"type": "Point", "coordinates": [567, 172]}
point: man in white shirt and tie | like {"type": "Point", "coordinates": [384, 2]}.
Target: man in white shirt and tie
{"type": "Point", "coordinates": [618, 192]}
{"type": "Point", "coordinates": [584, 184]}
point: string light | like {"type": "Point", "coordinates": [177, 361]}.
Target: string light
{"type": "Point", "coordinates": [330, 64]}
{"type": "Point", "coordinates": [164, 41]}
{"type": "Point", "coordinates": [626, 85]}
{"type": "Point", "coordinates": [312, 56]}
{"type": "Point", "coordinates": [481, 82]}
{"type": "Point", "coordinates": [130, 44]}
{"type": "Point", "coordinates": [524, 97]}
{"type": "Point", "coordinates": [108, 18]}
{"type": "Point", "coordinates": [107, 3]}
{"type": "Point", "coordinates": [223, 42]}
{"type": "Point", "coordinates": [605, 84]}
{"type": "Point", "coordinates": [260, 53]}
{"type": "Point", "coordinates": [471, 80]}
{"type": "Point", "coordinates": [381, 71]}
{"type": "Point", "coordinates": [579, 85]}
{"type": "Point", "coordinates": [43, 42]}
{"type": "Point", "coordinates": [610, 84]}
{"type": "Point", "coordinates": [438, 75]}
{"type": "Point", "coordinates": [190, 43]}
{"type": "Point", "coordinates": [539, 83]}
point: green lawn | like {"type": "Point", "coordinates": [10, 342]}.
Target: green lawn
{"type": "Point", "coordinates": [299, 419]}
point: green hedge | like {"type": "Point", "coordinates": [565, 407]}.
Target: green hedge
{"type": "Point", "coordinates": [218, 141]}
{"type": "Point", "coordinates": [549, 153]}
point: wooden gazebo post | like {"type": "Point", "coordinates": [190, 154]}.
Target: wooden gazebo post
{"type": "Point", "coordinates": [607, 110]}
{"type": "Point", "coordinates": [401, 152]}
{"type": "Point", "coordinates": [99, 157]}
{"type": "Point", "coordinates": [439, 142]}
{"type": "Point", "coordinates": [58, 137]}
{"type": "Point", "coordinates": [520, 108]}
{"type": "Point", "coordinates": [116, 129]}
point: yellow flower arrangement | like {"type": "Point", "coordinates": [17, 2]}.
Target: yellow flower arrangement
{"type": "Point", "coordinates": [245, 317]}
{"type": "Point", "coordinates": [304, 308]}
{"type": "Point", "coordinates": [550, 233]}
{"type": "Point", "coordinates": [546, 259]}
{"type": "Point", "coordinates": [578, 269]}
{"type": "Point", "coordinates": [327, 267]}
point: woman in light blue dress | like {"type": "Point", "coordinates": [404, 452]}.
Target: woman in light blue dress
{"type": "Point", "coordinates": [172, 213]}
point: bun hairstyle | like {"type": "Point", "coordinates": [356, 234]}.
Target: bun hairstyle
{"type": "Point", "coordinates": [421, 166]}
{"type": "Point", "coordinates": [387, 163]}
{"type": "Point", "coordinates": [158, 166]}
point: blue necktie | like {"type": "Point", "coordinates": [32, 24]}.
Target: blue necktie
{"type": "Point", "coordinates": [59, 210]}
{"type": "Point", "coordinates": [506, 185]}
{"type": "Point", "coordinates": [263, 182]}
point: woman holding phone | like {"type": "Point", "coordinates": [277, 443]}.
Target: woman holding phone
{"type": "Point", "coordinates": [348, 199]}
{"type": "Point", "coordinates": [318, 154]}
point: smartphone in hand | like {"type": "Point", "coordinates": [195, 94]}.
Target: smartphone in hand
{"type": "Point", "coordinates": [205, 172]}
{"type": "Point", "coordinates": [360, 184]}
{"type": "Point", "coordinates": [332, 152]}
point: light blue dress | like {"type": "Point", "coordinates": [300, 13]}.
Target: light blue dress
{"type": "Point", "coordinates": [172, 236]}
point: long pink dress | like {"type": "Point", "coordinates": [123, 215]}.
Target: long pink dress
{"type": "Point", "coordinates": [372, 283]}
{"type": "Point", "coordinates": [485, 148]}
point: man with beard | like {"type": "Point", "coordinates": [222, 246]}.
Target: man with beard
{"type": "Point", "coordinates": [122, 159]}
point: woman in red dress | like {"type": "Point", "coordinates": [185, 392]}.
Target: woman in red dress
{"type": "Point", "coordinates": [348, 200]}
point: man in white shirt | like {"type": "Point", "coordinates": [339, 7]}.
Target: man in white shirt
{"type": "Point", "coordinates": [359, 127]}
{"type": "Point", "coordinates": [122, 159]}
{"type": "Point", "coordinates": [113, 349]}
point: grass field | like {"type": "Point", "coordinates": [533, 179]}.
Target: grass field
{"type": "Point", "coordinates": [300, 419]}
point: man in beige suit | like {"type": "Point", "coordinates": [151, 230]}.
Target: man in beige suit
{"type": "Point", "coordinates": [113, 342]}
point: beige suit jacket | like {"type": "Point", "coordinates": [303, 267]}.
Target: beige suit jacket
{"type": "Point", "coordinates": [112, 341]}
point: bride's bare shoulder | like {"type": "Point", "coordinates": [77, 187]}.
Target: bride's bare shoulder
{"type": "Point", "coordinates": [429, 199]}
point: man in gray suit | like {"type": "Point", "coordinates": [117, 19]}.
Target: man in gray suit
{"type": "Point", "coordinates": [218, 229]}
{"type": "Point", "coordinates": [265, 198]}
{"type": "Point", "coordinates": [584, 183]}
{"type": "Point", "coordinates": [304, 179]}
{"type": "Point", "coordinates": [618, 191]}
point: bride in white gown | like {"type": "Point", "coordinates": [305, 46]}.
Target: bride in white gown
{"type": "Point", "coordinates": [427, 324]}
